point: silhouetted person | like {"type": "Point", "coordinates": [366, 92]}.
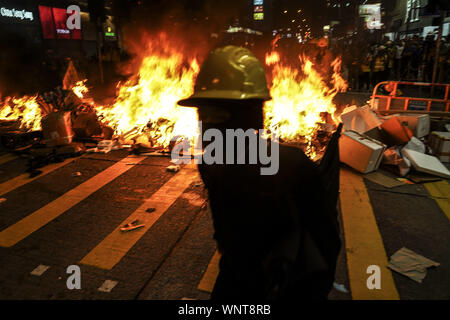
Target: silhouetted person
{"type": "Point", "coordinates": [278, 234]}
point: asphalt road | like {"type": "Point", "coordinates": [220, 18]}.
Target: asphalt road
{"type": "Point", "coordinates": [171, 256]}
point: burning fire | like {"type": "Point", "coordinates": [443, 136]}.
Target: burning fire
{"type": "Point", "coordinates": [25, 109]}
{"type": "Point", "coordinates": [147, 104]}
{"type": "Point", "coordinates": [300, 97]}
{"type": "Point", "coordinates": [146, 109]}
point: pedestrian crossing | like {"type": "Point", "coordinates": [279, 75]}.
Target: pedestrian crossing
{"type": "Point", "coordinates": [36, 220]}
{"type": "Point", "coordinates": [362, 238]}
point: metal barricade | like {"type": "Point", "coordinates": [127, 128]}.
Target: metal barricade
{"type": "Point", "coordinates": [393, 103]}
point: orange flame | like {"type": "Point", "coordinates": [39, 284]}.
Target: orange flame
{"type": "Point", "coordinates": [299, 99]}
{"type": "Point", "coordinates": [25, 109]}
{"type": "Point", "coordinates": [147, 104]}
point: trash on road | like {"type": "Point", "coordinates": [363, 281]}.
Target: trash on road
{"type": "Point", "coordinates": [360, 152]}
{"type": "Point", "coordinates": [132, 226]}
{"type": "Point", "coordinates": [383, 180]}
{"type": "Point", "coordinates": [150, 210]}
{"type": "Point", "coordinates": [419, 124]}
{"type": "Point", "coordinates": [108, 285]}
{"type": "Point", "coordinates": [395, 132]}
{"type": "Point", "coordinates": [76, 174]}
{"type": "Point", "coordinates": [340, 287]}
{"type": "Point", "coordinates": [360, 119]}
{"type": "Point", "coordinates": [440, 144]}
{"type": "Point", "coordinates": [415, 145]}
{"type": "Point", "coordinates": [426, 163]}
{"type": "Point", "coordinates": [39, 270]}
{"type": "Point", "coordinates": [57, 129]}
{"type": "Point", "coordinates": [411, 264]}
{"type": "Point", "coordinates": [173, 168]}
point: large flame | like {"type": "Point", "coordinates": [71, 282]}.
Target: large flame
{"type": "Point", "coordinates": [300, 99]}
{"type": "Point", "coordinates": [147, 104]}
{"type": "Point", "coordinates": [25, 109]}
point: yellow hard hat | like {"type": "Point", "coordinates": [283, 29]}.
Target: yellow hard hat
{"type": "Point", "coordinates": [229, 73]}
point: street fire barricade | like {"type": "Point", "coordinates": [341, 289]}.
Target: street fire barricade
{"type": "Point", "coordinates": [388, 97]}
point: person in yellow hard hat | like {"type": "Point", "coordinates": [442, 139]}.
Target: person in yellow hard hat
{"type": "Point", "coordinates": [277, 233]}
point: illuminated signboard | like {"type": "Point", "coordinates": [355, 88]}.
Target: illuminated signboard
{"type": "Point", "coordinates": [258, 16]}
{"type": "Point", "coordinates": [14, 13]}
{"type": "Point", "coordinates": [258, 2]}
{"type": "Point", "coordinates": [259, 9]}
{"type": "Point", "coordinates": [54, 24]}
{"type": "Point", "coordinates": [371, 14]}
{"type": "Point", "coordinates": [17, 15]}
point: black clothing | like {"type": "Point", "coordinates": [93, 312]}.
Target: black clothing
{"type": "Point", "coordinates": [278, 234]}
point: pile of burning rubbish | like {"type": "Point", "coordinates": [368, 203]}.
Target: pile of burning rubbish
{"type": "Point", "coordinates": [145, 116]}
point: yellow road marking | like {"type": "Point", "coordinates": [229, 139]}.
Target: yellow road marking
{"type": "Point", "coordinates": [24, 178]}
{"type": "Point", "coordinates": [209, 277]}
{"type": "Point", "coordinates": [22, 229]}
{"type": "Point", "coordinates": [112, 249]}
{"type": "Point", "coordinates": [364, 245]}
{"type": "Point", "coordinates": [441, 192]}
{"type": "Point", "coordinates": [7, 157]}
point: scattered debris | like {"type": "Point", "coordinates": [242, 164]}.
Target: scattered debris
{"type": "Point", "coordinates": [360, 119]}
{"type": "Point", "coordinates": [404, 180]}
{"type": "Point", "coordinates": [39, 270]}
{"type": "Point", "coordinates": [86, 124]}
{"type": "Point", "coordinates": [411, 264]}
{"type": "Point", "coordinates": [360, 152]}
{"type": "Point", "coordinates": [173, 168]}
{"type": "Point", "coordinates": [419, 124]}
{"type": "Point", "coordinates": [415, 145]}
{"type": "Point", "coordinates": [108, 285]}
{"type": "Point", "coordinates": [150, 210]}
{"type": "Point", "coordinates": [57, 129]}
{"type": "Point", "coordinates": [105, 146]}
{"type": "Point", "coordinates": [76, 174]}
{"type": "Point", "coordinates": [340, 287]}
{"type": "Point", "coordinates": [383, 180]}
{"type": "Point", "coordinates": [132, 226]}
{"type": "Point", "coordinates": [2, 200]}
{"type": "Point", "coordinates": [426, 163]}
{"type": "Point", "coordinates": [395, 132]}
{"type": "Point", "coordinates": [422, 179]}
{"type": "Point", "coordinates": [440, 144]}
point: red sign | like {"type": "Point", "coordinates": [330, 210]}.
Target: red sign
{"type": "Point", "coordinates": [54, 24]}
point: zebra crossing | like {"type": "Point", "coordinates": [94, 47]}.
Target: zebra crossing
{"type": "Point", "coordinates": [110, 250]}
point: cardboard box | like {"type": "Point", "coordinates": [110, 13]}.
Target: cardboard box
{"type": "Point", "coordinates": [439, 142]}
{"type": "Point", "coordinates": [360, 119]}
{"type": "Point", "coordinates": [360, 152]}
{"type": "Point", "coordinates": [57, 129]}
{"type": "Point", "coordinates": [418, 123]}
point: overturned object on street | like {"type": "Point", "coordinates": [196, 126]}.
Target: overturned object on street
{"type": "Point", "coordinates": [395, 132]}
{"type": "Point", "coordinates": [419, 124]}
{"type": "Point", "coordinates": [426, 163]}
{"type": "Point", "coordinates": [57, 129]}
{"type": "Point", "coordinates": [392, 156]}
{"type": "Point", "coordinates": [360, 152]}
{"type": "Point", "coordinates": [360, 119]}
{"type": "Point", "coordinates": [440, 144]}
{"type": "Point", "coordinates": [411, 264]}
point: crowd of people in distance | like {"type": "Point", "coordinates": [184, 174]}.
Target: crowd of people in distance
{"type": "Point", "coordinates": [411, 59]}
